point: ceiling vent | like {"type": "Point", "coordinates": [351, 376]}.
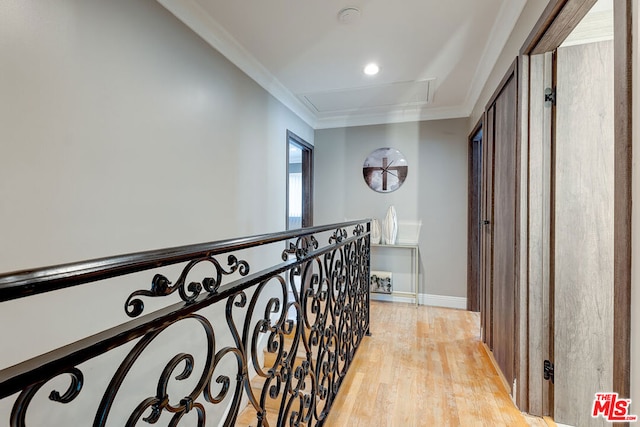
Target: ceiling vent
{"type": "Point", "coordinates": [400, 94]}
{"type": "Point", "coordinates": [348, 15]}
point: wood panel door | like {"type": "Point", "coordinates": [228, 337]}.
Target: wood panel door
{"type": "Point", "coordinates": [486, 234]}
{"type": "Point", "coordinates": [583, 240]}
{"type": "Point", "coordinates": [579, 212]}
{"type": "Point", "coordinates": [474, 224]}
{"type": "Point", "coordinates": [500, 235]}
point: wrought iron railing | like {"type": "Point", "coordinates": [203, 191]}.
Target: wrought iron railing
{"type": "Point", "coordinates": [267, 348]}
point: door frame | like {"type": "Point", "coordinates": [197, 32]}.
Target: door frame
{"type": "Point", "coordinates": [307, 179]}
{"type": "Point", "coordinates": [556, 22]}
{"type": "Point", "coordinates": [474, 294]}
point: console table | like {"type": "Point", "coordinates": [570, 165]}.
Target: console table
{"type": "Point", "coordinates": [414, 251]}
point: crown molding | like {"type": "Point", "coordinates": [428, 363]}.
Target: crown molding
{"type": "Point", "coordinates": [391, 116]}
{"type": "Point", "coordinates": [192, 14]}
{"type": "Point", "coordinates": [510, 11]}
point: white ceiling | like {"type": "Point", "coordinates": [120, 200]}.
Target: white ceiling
{"type": "Point", "coordinates": [434, 55]}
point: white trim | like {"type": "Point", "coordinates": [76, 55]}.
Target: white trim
{"type": "Point", "coordinates": [394, 297]}
{"type": "Point", "coordinates": [425, 299]}
{"type": "Point", "coordinates": [443, 301]}
{"type": "Point", "coordinates": [563, 425]}
{"type": "Point", "coordinates": [191, 13]}
{"type": "Point", "coordinates": [200, 22]}
{"type": "Point", "coordinates": [509, 12]}
{"type": "Point", "coordinates": [393, 115]}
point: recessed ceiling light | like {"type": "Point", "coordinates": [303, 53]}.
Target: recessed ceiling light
{"type": "Point", "coordinates": [371, 69]}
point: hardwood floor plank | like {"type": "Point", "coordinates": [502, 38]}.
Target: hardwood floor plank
{"type": "Point", "coordinates": [424, 366]}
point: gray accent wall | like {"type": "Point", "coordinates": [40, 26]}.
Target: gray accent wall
{"type": "Point", "coordinates": [435, 191]}
{"type": "Point", "coordinates": [120, 131]}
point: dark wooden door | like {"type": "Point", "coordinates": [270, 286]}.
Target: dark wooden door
{"type": "Point", "coordinates": [486, 235]}
{"type": "Point", "coordinates": [501, 196]}
{"type": "Point", "coordinates": [474, 220]}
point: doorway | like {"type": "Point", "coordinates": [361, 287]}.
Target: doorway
{"type": "Point", "coordinates": [579, 227]}
{"type": "Point", "coordinates": [582, 250]}
{"type": "Point", "coordinates": [474, 218]}
{"type": "Point", "coordinates": [299, 208]}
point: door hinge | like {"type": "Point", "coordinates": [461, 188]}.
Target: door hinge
{"type": "Point", "coordinates": [549, 96]}
{"type": "Point", "coordinates": [548, 370]}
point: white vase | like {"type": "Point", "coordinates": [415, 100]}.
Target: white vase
{"type": "Point", "coordinates": [390, 228]}
{"type": "Point", "coordinates": [375, 231]}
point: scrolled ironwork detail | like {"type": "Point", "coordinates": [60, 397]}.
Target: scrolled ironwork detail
{"type": "Point", "coordinates": [188, 291]}
{"type": "Point", "coordinates": [161, 401]}
{"type": "Point", "coordinates": [290, 335]}
{"type": "Point", "coordinates": [338, 236]}
{"type": "Point", "coordinates": [18, 413]}
{"type": "Point", "coordinates": [300, 248]}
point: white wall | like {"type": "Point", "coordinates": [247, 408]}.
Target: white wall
{"type": "Point", "coordinates": [435, 190]}
{"type": "Point", "coordinates": [528, 18]}
{"type": "Point", "coordinates": [120, 131]}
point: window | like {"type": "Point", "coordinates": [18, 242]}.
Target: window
{"type": "Point", "coordinates": [299, 182]}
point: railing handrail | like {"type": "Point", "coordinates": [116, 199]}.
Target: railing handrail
{"type": "Point", "coordinates": [39, 367]}
{"type": "Point", "coordinates": [23, 283]}
{"type": "Point", "coordinates": [327, 286]}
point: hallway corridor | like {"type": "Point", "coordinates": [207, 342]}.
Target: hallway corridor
{"type": "Point", "coordinates": [424, 366]}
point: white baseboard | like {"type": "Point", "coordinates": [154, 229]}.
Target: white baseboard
{"type": "Point", "coordinates": [443, 301]}
{"type": "Point", "coordinates": [425, 299]}
{"type": "Point", "coordinates": [395, 297]}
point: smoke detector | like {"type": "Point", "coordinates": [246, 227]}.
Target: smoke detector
{"type": "Point", "coordinates": [348, 15]}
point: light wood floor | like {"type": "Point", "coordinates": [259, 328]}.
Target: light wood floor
{"type": "Point", "coordinates": [424, 366]}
